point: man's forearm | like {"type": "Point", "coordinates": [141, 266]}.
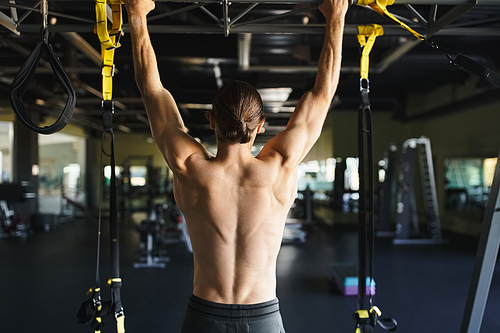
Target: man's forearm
{"type": "Point", "coordinates": [330, 58]}
{"type": "Point", "coordinates": [145, 65]}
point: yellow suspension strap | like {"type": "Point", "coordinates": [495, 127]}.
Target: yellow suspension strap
{"type": "Point", "coordinates": [92, 310]}
{"type": "Point", "coordinates": [366, 320]}
{"type": "Point", "coordinates": [110, 40]}
{"type": "Point", "coordinates": [380, 6]}
{"type": "Point", "coordinates": [366, 38]}
{"type": "Point", "coordinates": [461, 61]}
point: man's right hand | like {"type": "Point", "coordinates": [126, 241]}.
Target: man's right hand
{"type": "Point", "coordinates": [139, 8]}
{"type": "Point", "coordinates": [334, 9]}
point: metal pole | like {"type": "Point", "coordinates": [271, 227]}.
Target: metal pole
{"type": "Point", "coordinates": [284, 2]}
{"type": "Point", "coordinates": [486, 258]}
{"type": "Point", "coordinates": [311, 29]}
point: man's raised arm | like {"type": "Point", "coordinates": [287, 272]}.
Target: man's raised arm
{"type": "Point", "coordinates": [167, 126]}
{"type": "Point", "coordinates": [305, 124]}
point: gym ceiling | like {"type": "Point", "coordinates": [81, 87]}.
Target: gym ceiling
{"type": "Point", "coordinates": [270, 44]}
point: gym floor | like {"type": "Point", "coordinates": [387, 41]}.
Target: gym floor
{"type": "Point", "coordinates": [45, 278]}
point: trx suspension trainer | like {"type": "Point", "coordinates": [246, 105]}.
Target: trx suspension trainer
{"type": "Point", "coordinates": [367, 317]}
{"type": "Point", "coordinates": [461, 61]}
{"type": "Point", "coordinates": [92, 310]}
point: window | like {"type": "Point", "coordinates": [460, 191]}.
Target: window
{"type": "Point", "coordinates": [351, 174]}
{"type": "Point", "coordinates": [6, 151]}
{"type": "Point", "coordinates": [61, 173]}
{"type": "Point", "coordinates": [468, 182]}
{"type": "Point", "coordinates": [138, 175]}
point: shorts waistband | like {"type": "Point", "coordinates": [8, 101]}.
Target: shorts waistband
{"type": "Point", "coordinates": [233, 310]}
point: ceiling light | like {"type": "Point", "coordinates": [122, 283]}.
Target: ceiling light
{"type": "Point", "coordinates": [274, 94]}
{"type": "Point", "coordinates": [274, 98]}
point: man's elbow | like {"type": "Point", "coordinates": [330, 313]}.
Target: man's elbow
{"type": "Point", "coordinates": [323, 94]}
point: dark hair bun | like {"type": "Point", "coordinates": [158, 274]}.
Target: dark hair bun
{"type": "Point", "coordinates": [237, 108]}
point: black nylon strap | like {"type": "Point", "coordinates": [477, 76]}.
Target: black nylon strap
{"type": "Point", "coordinates": [366, 243]}
{"type": "Point", "coordinates": [388, 324]}
{"type": "Point", "coordinates": [366, 226]}
{"type": "Point", "coordinates": [88, 314]}
{"type": "Point", "coordinates": [23, 79]}
{"type": "Point", "coordinates": [115, 306]}
{"type": "Point", "coordinates": [468, 65]}
{"type": "Point", "coordinates": [93, 308]}
{"type": "Point", "coordinates": [475, 68]}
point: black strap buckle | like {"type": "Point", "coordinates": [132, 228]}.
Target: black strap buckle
{"type": "Point", "coordinates": [364, 85]}
{"type": "Point", "coordinates": [91, 310]}
{"type": "Point", "coordinates": [107, 110]}
{"type": "Point", "coordinates": [366, 320]}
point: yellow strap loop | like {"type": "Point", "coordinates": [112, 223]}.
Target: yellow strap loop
{"type": "Point", "coordinates": [363, 314]}
{"type": "Point", "coordinates": [120, 324]}
{"type": "Point", "coordinates": [105, 36]}
{"type": "Point", "coordinates": [376, 310]}
{"type": "Point", "coordinates": [380, 7]}
{"type": "Point", "coordinates": [366, 38]}
{"type": "Point", "coordinates": [109, 41]}
{"type": "Point", "coordinates": [114, 280]}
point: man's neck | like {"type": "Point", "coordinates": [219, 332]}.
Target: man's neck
{"type": "Point", "coordinates": [234, 151]}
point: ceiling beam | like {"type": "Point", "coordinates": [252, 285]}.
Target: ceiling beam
{"type": "Point", "coordinates": [84, 47]}
{"type": "Point", "coordinates": [69, 70]}
{"type": "Point", "coordinates": [312, 29]}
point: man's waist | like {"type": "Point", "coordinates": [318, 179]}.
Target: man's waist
{"type": "Point", "coordinates": [233, 310]}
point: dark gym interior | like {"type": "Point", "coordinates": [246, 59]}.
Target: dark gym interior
{"type": "Point", "coordinates": [436, 142]}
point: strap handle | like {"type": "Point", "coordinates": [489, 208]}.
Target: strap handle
{"type": "Point", "coordinates": [366, 320]}
{"type": "Point", "coordinates": [23, 79]}
{"type": "Point", "coordinates": [109, 42]}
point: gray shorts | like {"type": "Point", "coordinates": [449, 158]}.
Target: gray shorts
{"type": "Point", "coordinates": [203, 316]}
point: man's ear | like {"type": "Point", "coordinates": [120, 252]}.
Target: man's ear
{"type": "Point", "coordinates": [211, 119]}
{"type": "Point", "coordinates": [260, 127]}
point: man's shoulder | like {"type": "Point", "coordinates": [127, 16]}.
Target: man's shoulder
{"type": "Point", "coordinates": [192, 165]}
{"type": "Point", "coordinates": [275, 157]}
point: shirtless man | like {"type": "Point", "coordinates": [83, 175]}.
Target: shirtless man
{"type": "Point", "coordinates": [235, 204]}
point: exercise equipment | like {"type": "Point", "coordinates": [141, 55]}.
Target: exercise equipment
{"type": "Point", "coordinates": [13, 224]}
{"type": "Point", "coordinates": [405, 164]}
{"type": "Point", "coordinates": [367, 316]}
{"type": "Point", "coordinates": [131, 193]}
{"type": "Point", "coordinates": [165, 226]}
{"type": "Point", "coordinates": [345, 278]}
{"type": "Point", "coordinates": [407, 226]}
{"type": "Point", "coordinates": [25, 75]}
{"type": "Point", "coordinates": [151, 239]}
{"type": "Point", "coordinates": [461, 61]}
{"type": "Point", "coordinates": [92, 310]}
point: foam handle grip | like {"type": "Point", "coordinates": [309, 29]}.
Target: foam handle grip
{"type": "Point", "coordinates": [25, 75]}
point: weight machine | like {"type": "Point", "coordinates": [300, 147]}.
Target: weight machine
{"type": "Point", "coordinates": [404, 166]}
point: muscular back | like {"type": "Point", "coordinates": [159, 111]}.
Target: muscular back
{"type": "Point", "coordinates": [235, 210]}
{"type": "Point", "coordinates": [235, 205]}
